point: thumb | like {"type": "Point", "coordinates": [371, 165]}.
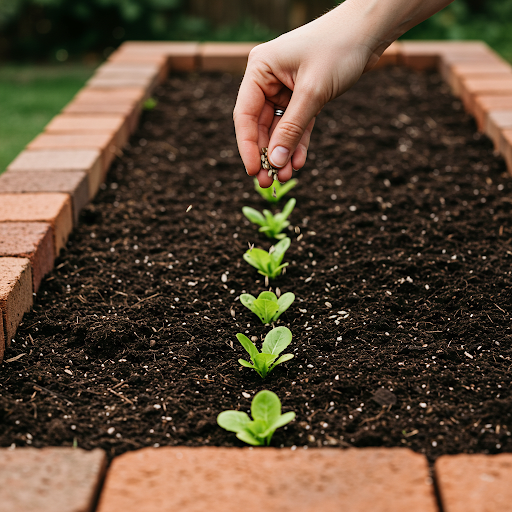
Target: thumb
{"type": "Point", "coordinates": [303, 107]}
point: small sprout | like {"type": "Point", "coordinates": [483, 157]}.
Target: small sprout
{"type": "Point", "coordinates": [150, 104]}
{"type": "Point", "coordinates": [267, 418]}
{"type": "Point", "coordinates": [280, 190]}
{"type": "Point", "coordinates": [271, 225]}
{"type": "Point", "coordinates": [265, 361]}
{"type": "Point", "coordinates": [267, 306]}
{"type": "Point", "coordinates": [269, 263]}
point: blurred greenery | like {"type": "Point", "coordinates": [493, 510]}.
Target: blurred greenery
{"type": "Point", "coordinates": [29, 97]}
{"type": "Point", "coordinates": [489, 21]}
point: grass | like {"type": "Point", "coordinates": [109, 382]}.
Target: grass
{"type": "Point", "coordinates": [29, 97]}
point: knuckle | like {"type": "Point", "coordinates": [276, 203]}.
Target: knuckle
{"type": "Point", "coordinates": [290, 130]}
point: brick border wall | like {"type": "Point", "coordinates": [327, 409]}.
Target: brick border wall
{"type": "Point", "coordinates": [46, 186]}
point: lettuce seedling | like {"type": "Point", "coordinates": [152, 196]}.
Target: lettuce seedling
{"type": "Point", "coordinates": [267, 306]}
{"type": "Point", "coordinates": [266, 419]}
{"type": "Point", "coordinates": [271, 225]}
{"type": "Point", "coordinates": [280, 190]}
{"type": "Point", "coordinates": [265, 361]}
{"type": "Point", "coordinates": [269, 263]}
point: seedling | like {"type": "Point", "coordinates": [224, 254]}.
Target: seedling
{"type": "Point", "coordinates": [280, 190]}
{"type": "Point", "coordinates": [271, 225]}
{"type": "Point", "coordinates": [267, 418]}
{"type": "Point", "coordinates": [150, 104]}
{"type": "Point", "coordinates": [265, 361]}
{"type": "Point", "coordinates": [267, 306]}
{"type": "Point", "coordinates": [269, 263]}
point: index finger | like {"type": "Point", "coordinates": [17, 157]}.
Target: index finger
{"type": "Point", "coordinates": [248, 108]}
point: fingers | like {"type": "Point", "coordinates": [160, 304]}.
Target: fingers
{"type": "Point", "coordinates": [291, 128]}
{"type": "Point", "coordinates": [300, 154]}
{"type": "Point", "coordinates": [246, 116]}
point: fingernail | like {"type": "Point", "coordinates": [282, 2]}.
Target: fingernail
{"type": "Point", "coordinates": [279, 156]}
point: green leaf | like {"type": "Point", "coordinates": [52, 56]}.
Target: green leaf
{"type": "Point", "coordinates": [266, 406]}
{"type": "Point", "coordinates": [262, 363]}
{"type": "Point", "coordinates": [277, 340]}
{"type": "Point", "coordinates": [268, 296]}
{"type": "Point", "coordinates": [258, 258]}
{"type": "Point", "coordinates": [257, 428]}
{"type": "Point", "coordinates": [284, 189]}
{"type": "Point", "coordinates": [245, 363]}
{"type": "Point", "coordinates": [284, 302]}
{"type": "Point", "coordinates": [282, 359]}
{"type": "Point", "coordinates": [266, 309]}
{"type": "Point", "coordinates": [253, 215]}
{"type": "Point", "coordinates": [279, 250]}
{"type": "Point", "coordinates": [288, 208]}
{"type": "Point", "coordinates": [248, 345]}
{"type": "Point", "coordinates": [283, 420]}
{"type": "Point", "coordinates": [247, 300]}
{"type": "Point", "coordinates": [249, 438]}
{"type": "Point", "coordinates": [233, 421]}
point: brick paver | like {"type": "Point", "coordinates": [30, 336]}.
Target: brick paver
{"type": "Point", "coordinates": [32, 240]}
{"type": "Point", "coordinates": [230, 57]}
{"type": "Point", "coordinates": [475, 483]}
{"type": "Point", "coordinates": [484, 87]}
{"type": "Point", "coordinates": [120, 81]}
{"type": "Point", "coordinates": [506, 144]}
{"type": "Point", "coordinates": [497, 121]}
{"type": "Point", "coordinates": [2, 338]}
{"type": "Point", "coordinates": [74, 183]}
{"type": "Point", "coordinates": [88, 160]}
{"type": "Point", "coordinates": [484, 104]}
{"type": "Point", "coordinates": [474, 70]}
{"type": "Point", "coordinates": [228, 480]}
{"type": "Point", "coordinates": [15, 297]}
{"type": "Point", "coordinates": [110, 96]}
{"type": "Point", "coordinates": [50, 479]}
{"type": "Point", "coordinates": [54, 208]}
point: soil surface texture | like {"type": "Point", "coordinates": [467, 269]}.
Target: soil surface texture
{"type": "Point", "coordinates": [400, 261]}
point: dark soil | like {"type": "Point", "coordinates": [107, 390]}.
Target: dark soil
{"type": "Point", "coordinates": [402, 277]}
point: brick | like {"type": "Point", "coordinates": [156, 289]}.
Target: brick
{"type": "Point", "coordinates": [474, 87]}
{"type": "Point", "coordinates": [74, 183]}
{"type": "Point", "coordinates": [140, 58]}
{"type": "Point", "coordinates": [390, 56]}
{"type": "Point", "coordinates": [88, 160]}
{"type": "Point", "coordinates": [54, 208]}
{"type": "Point", "coordinates": [484, 104]}
{"type": "Point", "coordinates": [15, 297]}
{"type": "Point", "coordinates": [221, 479]}
{"type": "Point", "coordinates": [32, 240]}
{"type": "Point", "coordinates": [50, 479]}
{"type": "Point", "coordinates": [182, 56]}
{"type": "Point", "coordinates": [474, 70]}
{"type": "Point", "coordinates": [506, 143]}
{"type": "Point", "coordinates": [102, 141]}
{"type": "Point", "coordinates": [114, 69]}
{"type": "Point", "coordinates": [120, 81]}
{"type": "Point", "coordinates": [421, 55]}
{"type": "Point", "coordinates": [450, 59]}
{"type": "Point", "coordinates": [229, 57]}
{"type": "Point", "coordinates": [110, 96]}
{"type": "Point", "coordinates": [497, 121]}
{"type": "Point", "coordinates": [475, 483]}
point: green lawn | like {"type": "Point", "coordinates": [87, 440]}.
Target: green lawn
{"type": "Point", "coordinates": [29, 97]}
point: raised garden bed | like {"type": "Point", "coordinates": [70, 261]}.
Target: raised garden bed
{"type": "Point", "coordinates": [401, 275]}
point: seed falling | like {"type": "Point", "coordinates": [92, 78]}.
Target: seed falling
{"type": "Point", "coordinates": [189, 208]}
{"type": "Point", "coordinates": [272, 172]}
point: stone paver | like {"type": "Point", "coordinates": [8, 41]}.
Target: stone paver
{"type": "Point", "coordinates": [88, 160]}
{"type": "Point", "coordinates": [229, 479]}
{"type": "Point", "coordinates": [485, 104]}
{"type": "Point", "coordinates": [475, 483]}
{"type": "Point", "coordinates": [74, 183]}
{"type": "Point", "coordinates": [50, 479]}
{"type": "Point", "coordinates": [230, 57]}
{"type": "Point", "coordinates": [32, 240]}
{"type": "Point", "coordinates": [15, 296]}
{"type": "Point", "coordinates": [54, 208]}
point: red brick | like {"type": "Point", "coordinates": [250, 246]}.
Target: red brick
{"type": "Point", "coordinates": [88, 160]}
{"type": "Point", "coordinates": [472, 88]}
{"type": "Point", "coordinates": [484, 104]}
{"type": "Point", "coordinates": [390, 56]}
{"type": "Point", "coordinates": [54, 208]}
{"type": "Point", "coordinates": [229, 57]}
{"type": "Point", "coordinates": [74, 183]}
{"type": "Point", "coordinates": [475, 483]}
{"type": "Point", "coordinates": [15, 297]}
{"type": "Point", "coordinates": [139, 58]}
{"type": "Point", "coordinates": [506, 143]}
{"type": "Point", "coordinates": [114, 69]}
{"type": "Point", "coordinates": [422, 55]}
{"type": "Point", "coordinates": [110, 96]}
{"type": "Point", "coordinates": [120, 81]}
{"type": "Point", "coordinates": [32, 240]}
{"type": "Point", "coordinates": [50, 479]}
{"type": "Point", "coordinates": [497, 121]}
{"type": "Point", "coordinates": [224, 479]}
{"type": "Point", "coordinates": [480, 70]}
{"type": "Point", "coordinates": [182, 56]}
{"type": "Point", "coordinates": [102, 141]}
